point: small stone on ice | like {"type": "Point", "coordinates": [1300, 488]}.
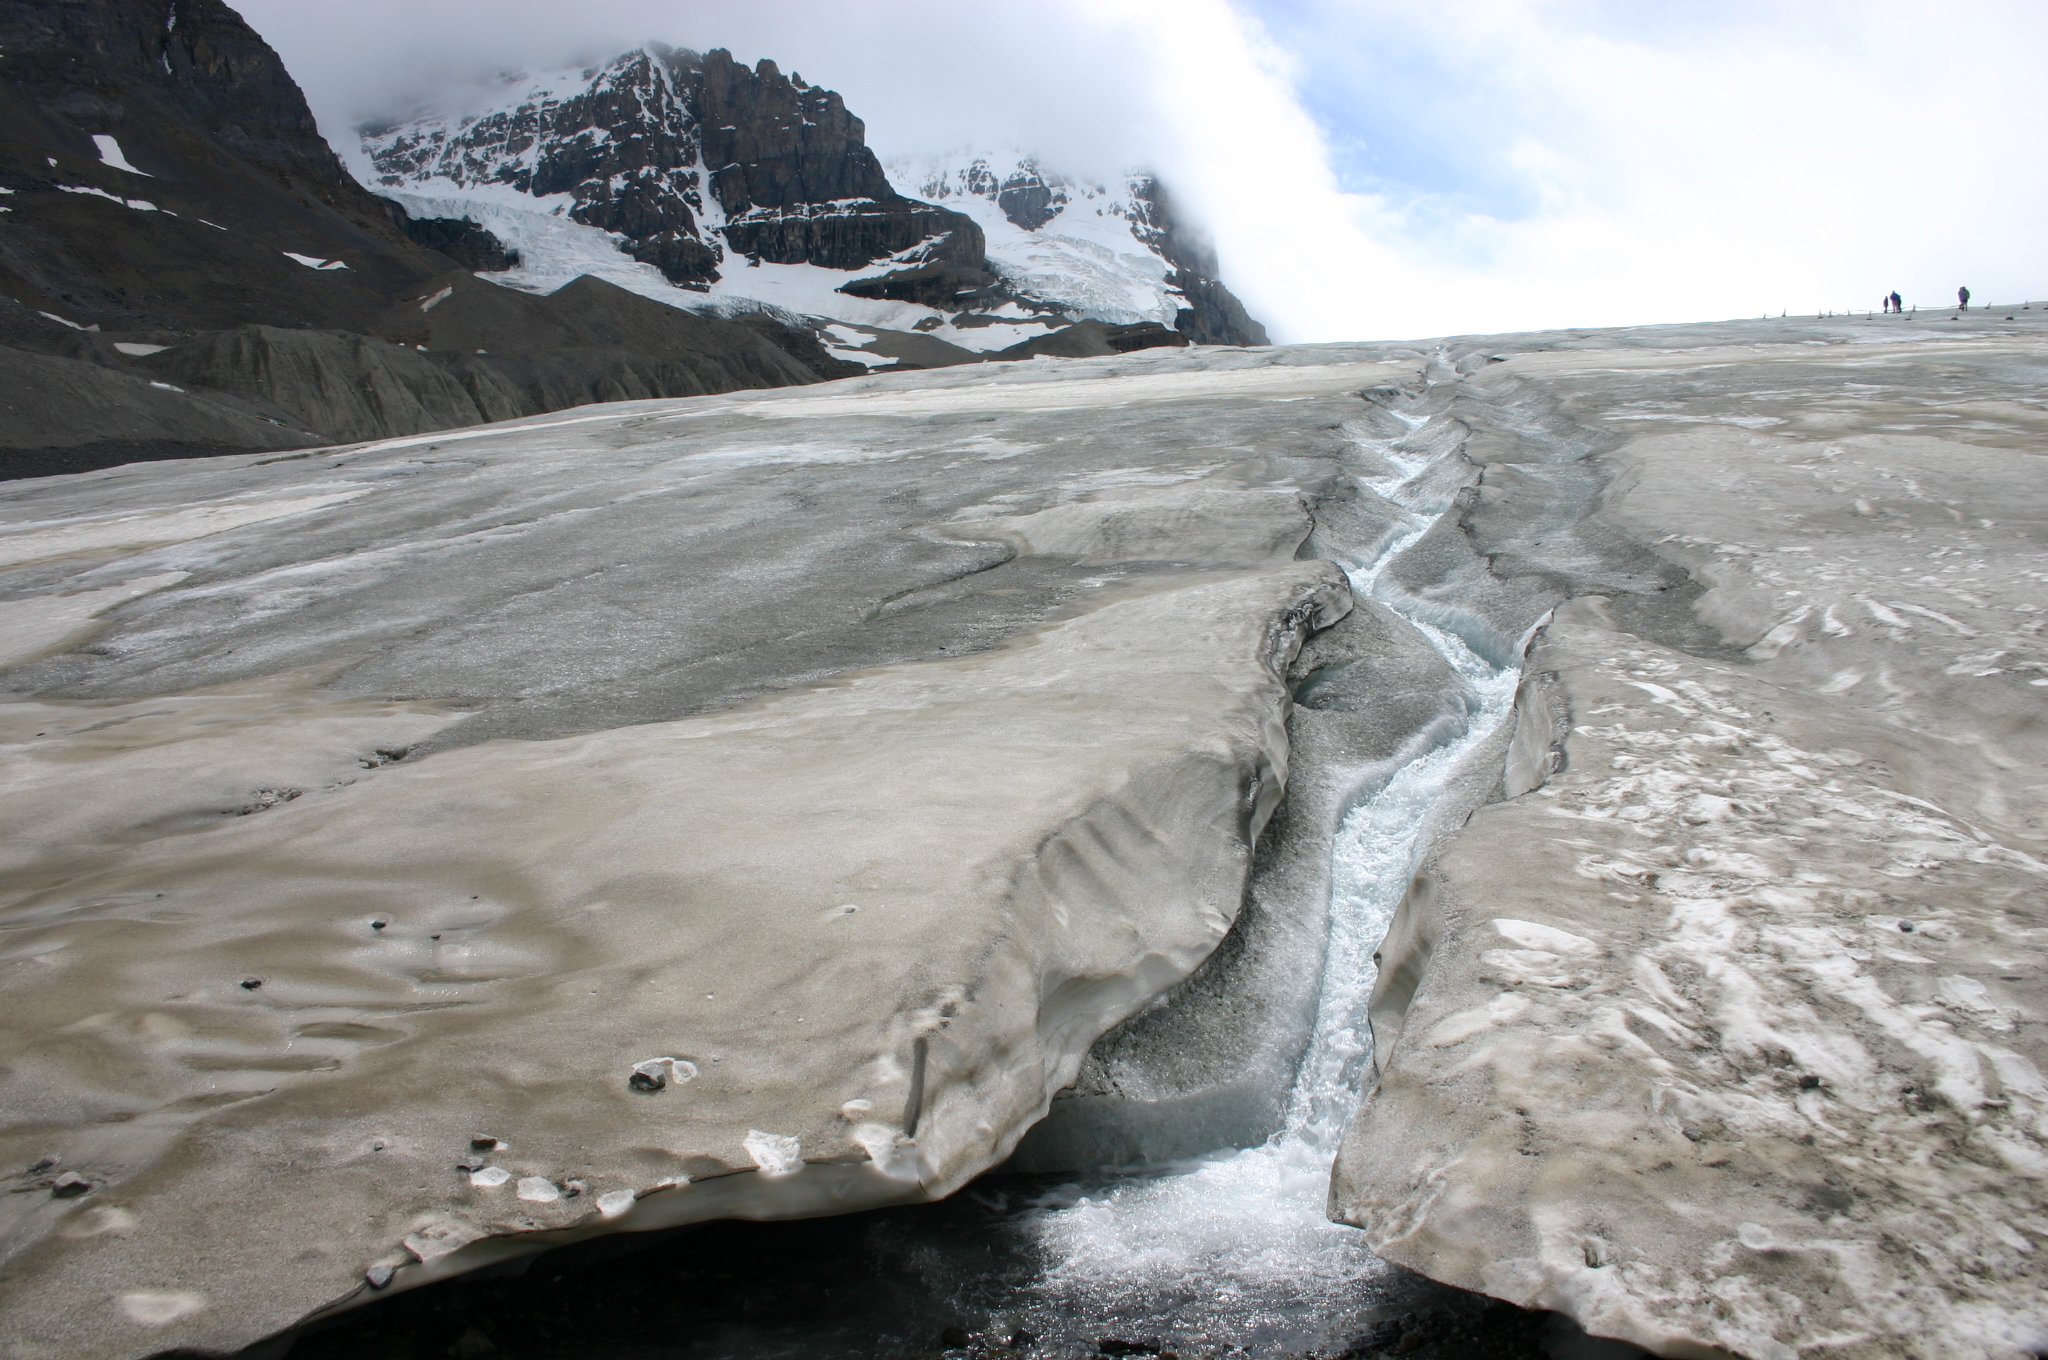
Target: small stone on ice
{"type": "Point", "coordinates": [471, 1163]}
{"type": "Point", "coordinates": [378, 1276]}
{"type": "Point", "coordinates": [1693, 1134]}
{"type": "Point", "coordinates": [251, 984]}
{"type": "Point", "coordinates": [656, 1073]}
{"type": "Point", "coordinates": [483, 1142]}
{"type": "Point", "coordinates": [70, 1185]}
{"type": "Point", "coordinates": [1809, 1083]}
{"type": "Point", "coordinates": [539, 1190]}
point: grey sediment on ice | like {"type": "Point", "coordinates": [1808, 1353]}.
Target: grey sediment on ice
{"type": "Point", "coordinates": [514, 761]}
{"type": "Point", "coordinates": [768, 739]}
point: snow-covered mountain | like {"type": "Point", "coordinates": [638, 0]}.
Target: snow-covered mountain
{"type": "Point", "coordinates": [1111, 252]}
{"type": "Point", "coordinates": [712, 185]}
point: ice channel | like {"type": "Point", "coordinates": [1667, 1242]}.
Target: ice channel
{"type": "Point", "coordinates": [1235, 1248]}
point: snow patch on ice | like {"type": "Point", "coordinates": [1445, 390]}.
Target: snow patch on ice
{"type": "Point", "coordinates": [776, 1154]}
{"type": "Point", "coordinates": [314, 261]}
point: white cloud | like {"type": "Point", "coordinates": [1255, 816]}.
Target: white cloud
{"type": "Point", "coordinates": [1796, 158]}
{"type": "Point", "coordinates": [1374, 169]}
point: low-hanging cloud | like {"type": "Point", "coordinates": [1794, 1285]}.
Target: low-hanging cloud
{"type": "Point", "coordinates": [1375, 169]}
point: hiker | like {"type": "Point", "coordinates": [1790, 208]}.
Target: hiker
{"type": "Point", "coordinates": [1884, 304]}
{"type": "Point", "coordinates": [1898, 303]}
{"type": "Point", "coordinates": [1963, 298]}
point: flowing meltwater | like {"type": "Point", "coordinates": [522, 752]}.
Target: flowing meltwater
{"type": "Point", "coordinates": [1236, 1248]}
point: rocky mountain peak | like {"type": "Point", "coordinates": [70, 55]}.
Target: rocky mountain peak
{"type": "Point", "coordinates": [691, 159]}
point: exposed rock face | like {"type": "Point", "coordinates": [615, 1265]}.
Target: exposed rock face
{"type": "Point", "coordinates": [1212, 316]}
{"type": "Point", "coordinates": [690, 158]}
{"type": "Point", "coordinates": [460, 239]}
{"type": "Point", "coordinates": [1721, 1031]}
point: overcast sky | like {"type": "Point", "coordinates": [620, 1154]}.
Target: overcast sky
{"type": "Point", "coordinates": [1375, 169]}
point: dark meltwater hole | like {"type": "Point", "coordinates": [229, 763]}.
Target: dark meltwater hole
{"type": "Point", "coordinates": [965, 1277]}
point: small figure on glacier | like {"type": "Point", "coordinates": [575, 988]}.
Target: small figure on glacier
{"type": "Point", "coordinates": [1884, 304]}
{"type": "Point", "coordinates": [1963, 299]}
{"type": "Point", "coordinates": [1898, 304]}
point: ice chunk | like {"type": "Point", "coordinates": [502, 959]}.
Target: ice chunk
{"type": "Point", "coordinates": [538, 1190]}
{"type": "Point", "coordinates": [775, 1154]}
{"type": "Point", "coordinates": [110, 154]}
{"type": "Point", "coordinates": [314, 261]}
{"type": "Point", "coordinates": [490, 1178]}
{"type": "Point", "coordinates": [612, 1203]}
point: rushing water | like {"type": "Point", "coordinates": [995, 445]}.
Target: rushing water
{"type": "Point", "coordinates": [1237, 1246]}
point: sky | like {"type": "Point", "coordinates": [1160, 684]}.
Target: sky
{"type": "Point", "coordinates": [1377, 170]}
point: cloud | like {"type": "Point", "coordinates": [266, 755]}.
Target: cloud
{"type": "Point", "coordinates": [1566, 165]}
{"type": "Point", "coordinates": [1378, 169]}
{"type": "Point", "coordinates": [924, 75]}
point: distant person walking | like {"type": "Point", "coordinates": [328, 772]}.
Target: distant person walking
{"type": "Point", "coordinates": [1963, 298]}
{"type": "Point", "coordinates": [1898, 303]}
{"type": "Point", "coordinates": [1884, 304]}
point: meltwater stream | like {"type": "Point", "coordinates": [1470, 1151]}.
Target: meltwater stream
{"type": "Point", "coordinates": [1236, 1249]}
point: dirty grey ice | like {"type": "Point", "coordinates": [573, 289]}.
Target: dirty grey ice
{"type": "Point", "coordinates": [425, 852]}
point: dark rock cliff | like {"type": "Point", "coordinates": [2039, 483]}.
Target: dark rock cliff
{"type": "Point", "coordinates": [1213, 315]}
{"type": "Point", "coordinates": [695, 160]}
{"type": "Point", "coordinates": [460, 239]}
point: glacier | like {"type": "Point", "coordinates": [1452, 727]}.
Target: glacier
{"type": "Point", "coordinates": [1552, 814]}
